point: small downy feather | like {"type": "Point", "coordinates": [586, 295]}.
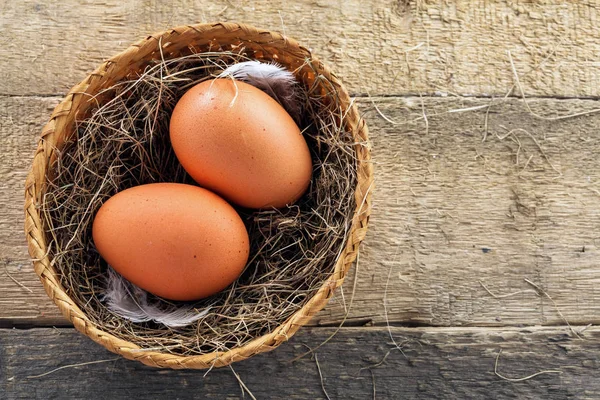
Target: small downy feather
{"type": "Point", "coordinates": [272, 79]}
{"type": "Point", "coordinates": [131, 302]}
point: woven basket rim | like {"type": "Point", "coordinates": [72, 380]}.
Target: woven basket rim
{"type": "Point", "coordinates": [53, 136]}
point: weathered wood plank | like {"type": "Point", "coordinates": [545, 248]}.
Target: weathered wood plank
{"type": "Point", "coordinates": [450, 211]}
{"type": "Point", "coordinates": [437, 364]}
{"type": "Point", "coordinates": [21, 120]}
{"type": "Point", "coordinates": [377, 46]}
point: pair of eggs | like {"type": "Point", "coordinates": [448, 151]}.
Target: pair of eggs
{"type": "Point", "coordinates": [185, 242]}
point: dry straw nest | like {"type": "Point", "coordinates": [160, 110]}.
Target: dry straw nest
{"type": "Point", "coordinates": [111, 132]}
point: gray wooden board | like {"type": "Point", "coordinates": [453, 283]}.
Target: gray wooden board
{"type": "Point", "coordinates": [451, 212]}
{"type": "Point", "coordinates": [376, 46]}
{"type": "Point", "coordinates": [21, 121]}
{"type": "Point", "coordinates": [437, 363]}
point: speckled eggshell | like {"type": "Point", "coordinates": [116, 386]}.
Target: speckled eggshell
{"type": "Point", "coordinates": [236, 140]}
{"type": "Point", "coordinates": [180, 242]}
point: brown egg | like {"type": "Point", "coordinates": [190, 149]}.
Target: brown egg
{"type": "Point", "coordinates": [236, 140]}
{"type": "Point", "coordinates": [180, 242]}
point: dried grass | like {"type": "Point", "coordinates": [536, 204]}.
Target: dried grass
{"type": "Point", "coordinates": [124, 142]}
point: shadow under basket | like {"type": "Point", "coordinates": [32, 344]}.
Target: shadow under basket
{"type": "Point", "coordinates": [57, 138]}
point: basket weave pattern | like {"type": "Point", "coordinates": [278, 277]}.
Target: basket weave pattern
{"type": "Point", "coordinates": [259, 44]}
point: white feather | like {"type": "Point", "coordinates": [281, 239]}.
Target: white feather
{"type": "Point", "coordinates": [272, 79]}
{"type": "Point", "coordinates": [241, 71]}
{"type": "Point", "coordinates": [131, 302]}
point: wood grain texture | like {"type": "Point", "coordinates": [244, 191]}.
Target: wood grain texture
{"type": "Point", "coordinates": [464, 198]}
{"type": "Point", "coordinates": [376, 46]}
{"type": "Point", "coordinates": [21, 120]}
{"type": "Point", "coordinates": [451, 211]}
{"type": "Point", "coordinates": [437, 364]}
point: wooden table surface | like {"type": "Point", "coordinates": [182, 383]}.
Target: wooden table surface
{"type": "Point", "coordinates": [480, 275]}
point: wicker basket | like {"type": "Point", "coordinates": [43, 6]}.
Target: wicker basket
{"type": "Point", "coordinates": [259, 44]}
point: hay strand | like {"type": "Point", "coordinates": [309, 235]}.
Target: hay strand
{"type": "Point", "coordinates": [321, 377]}
{"type": "Point", "coordinates": [14, 280]}
{"type": "Point", "coordinates": [72, 366]}
{"type": "Point", "coordinates": [525, 378]}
